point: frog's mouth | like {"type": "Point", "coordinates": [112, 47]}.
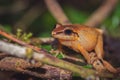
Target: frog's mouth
{"type": "Point", "coordinates": [64, 37]}
{"type": "Point", "coordinates": [56, 33]}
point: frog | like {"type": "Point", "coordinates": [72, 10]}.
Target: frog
{"type": "Point", "coordinates": [87, 41]}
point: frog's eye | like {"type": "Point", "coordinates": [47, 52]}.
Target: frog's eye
{"type": "Point", "coordinates": [68, 32]}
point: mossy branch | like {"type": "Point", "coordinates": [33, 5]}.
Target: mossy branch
{"type": "Point", "coordinates": [46, 58]}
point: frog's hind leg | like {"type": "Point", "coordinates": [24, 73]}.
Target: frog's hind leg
{"type": "Point", "coordinates": [99, 47]}
{"type": "Point", "coordinates": [100, 54]}
{"type": "Point", "coordinates": [109, 67]}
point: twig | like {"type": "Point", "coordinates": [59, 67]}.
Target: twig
{"type": "Point", "coordinates": [68, 57]}
{"type": "Point", "coordinates": [101, 13]}
{"type": "Point", "coordinates": [45, 57]}
{"type": "Point", "coordinates": [47, 40]}
{"type": "Point", "coordinates": [74, 59]}
{"type": "Point", "coordinates": [16, 40]}
{"type": "Point", "coordinates": [2, 55]}
{"type": "Point", "coordinates": [57, 11]}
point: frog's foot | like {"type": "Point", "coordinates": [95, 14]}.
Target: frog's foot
{"type": "Point", "coordinates": [98, 65]}
{"type": "Point", "coordinates": [96, 62]}
{"type": "Point", "coordinates": [93, 58]}
{"type": "Point", "coordinates": [57, 52]}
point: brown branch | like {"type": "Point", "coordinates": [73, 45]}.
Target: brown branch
{"type": "Point", "coordinates": [94, 20]}
{"type": "Point", "coordinates": [61, 73]}
{"type": "Point", "coordinates": [39, 41]}
{"type": "Point", "coordinates": [101, 13]}
{"type": "Point", "coordinates": [45, 57]}
{"type": "Point", "coordinates": [74, 59]}
{"type": "Point", "coordinates": [16, 40]}
{"type": "Point", "coordinates": [23, 66]}
{"type": "Point", "coordinates": [57, 11]}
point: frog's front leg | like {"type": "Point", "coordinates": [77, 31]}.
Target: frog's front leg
{"type": "Point", "coordinates": [84, 53]}
{"type": "Point", "coordinates": [99, 47]}
{"type": "Point", "coordinates": [100, 53]}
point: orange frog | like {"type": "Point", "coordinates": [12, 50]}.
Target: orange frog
{"type": "Point", "coordinates": [85, 40]}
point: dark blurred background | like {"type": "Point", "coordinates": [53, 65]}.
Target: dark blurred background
{"type": "Point", "coordinates": [33, 15]}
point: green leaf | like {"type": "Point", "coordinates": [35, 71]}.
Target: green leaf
{"type": "Point", "coordinates": [47, 47]}
{"type": "Point", "coordinates": [88, 66]}
{"type": "Point", "coordinates": [60, 55]}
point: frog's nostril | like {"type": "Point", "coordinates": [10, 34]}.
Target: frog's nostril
{"type": "Point", "coordinates": [53, 33]}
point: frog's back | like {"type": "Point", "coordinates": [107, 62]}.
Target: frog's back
{"type": "Point", "coordinates": [87, 36]}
